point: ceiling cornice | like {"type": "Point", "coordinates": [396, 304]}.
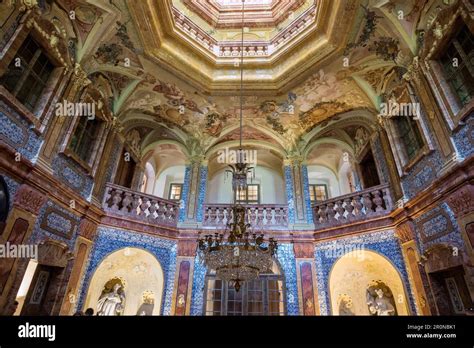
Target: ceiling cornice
{"type": "Point", "coordinates": [315, 46]}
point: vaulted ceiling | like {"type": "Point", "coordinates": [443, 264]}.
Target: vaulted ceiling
{"type": "Point", "coordinates": [284, 40]}
{"type": "Point", "coordinates": [170, 70]}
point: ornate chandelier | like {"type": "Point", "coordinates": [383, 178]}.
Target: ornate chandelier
{"type": "Point", "coordinates": [237, 254]}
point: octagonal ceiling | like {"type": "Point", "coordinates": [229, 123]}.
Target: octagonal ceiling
{"type": "Point", "coordinates": [284, 40]}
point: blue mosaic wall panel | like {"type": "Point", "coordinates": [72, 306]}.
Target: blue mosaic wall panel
{"type": "Point", "coordinates": [202, 192]}
{"type": "Point", "coordinates": [109, 240]}
{"type": "Point", "coordinates": [197, 295]}
{"type": "Point", "coordinates": [307, 198]}
{"type": "Point", "coordinates": [289, 193]}
{"type": "Point", "coordinates": [184, 198]}
{"type": "Point", "coordinates": [384, 243]}
{"type": "Point", "coordinates": [434, 222]}
{"type": "Point", "coordinates": [464, 137]}
{"type": "Point", "coordinates": [55, 222]}
{"type": "Point", "coordinates": [16, 132]}
{"type": "Point", "coordinates": [73, 175]}
{"type": "Point", "coordinates": [422, 174]}
{"type": "Point", "coordinates": [286, 258]}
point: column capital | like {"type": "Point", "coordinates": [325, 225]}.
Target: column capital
{"type": "Point", "coordinates": [294, 160]}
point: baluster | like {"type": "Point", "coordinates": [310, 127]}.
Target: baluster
{"type": "Point", "coordinates": [331, 212]}
{"type": "Point", "coordinates": [221, 214]}
{"type": "Point", "coordinates": [213, 216]}
{"type": "Point", "coordinates": [264, 216]}
{"type": "Point", "coordinates": [278, 216]}
{"type": "Point", "coordinates": [368, 203]}
{"type": "Point", "coordinates": [316, 215]}
{"type": "Point", "coordinates": [207, 215]}
{"type": "Point", "coordinates": [135, 204]}
{"type": "Point", "coordinates": [357, 205]}
{"type": "Point", "coordinates": [107, 197]}
{"type": "Point", "coordinates": [378, 201]}
{"type": "Point", "coordinates": [340, 210]}
{"type": "Point", "coordinates": [168, 213]}
{"type": "Point", "coordinates": [127, 199]}
{"type": "Point", "coordinates": [387, 196]}
{"type": "Point", "coordinates": [349, 208]}
{"type": "Point", "coordinates": [284, 216]}
{"type": "Point", "coordinates": [152, 208]}
{"type": "Point", "coordinates": [173, 209]}
{"type": "Point", "coordinates": [253, 215]}
{"type": "Point", "coordinates": [143, 207]}
{"type": "Point", "coordinates": [260, 217]}
{"type": "Point", "coordinates": [116, 199]}
{"type": "Point", "coordinates": [322, 213]}
{"type": "Point", "coordinates": [160, 212]}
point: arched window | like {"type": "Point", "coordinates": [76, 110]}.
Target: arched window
{"type": "Point", "coordinates": [4, 203]}
{"type": "Point", "coordinates": [263, 296]}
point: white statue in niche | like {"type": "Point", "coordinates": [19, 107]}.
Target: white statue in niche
{"type": "Point", "coordinates": [146, 308]}
{"type": "Point", "coordinates": [112, 300]}
{"type": "Point", "coordinates": [380, 300]}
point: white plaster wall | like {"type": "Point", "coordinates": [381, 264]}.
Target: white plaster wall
{"type": "Point", "coordinates": [319, 175]}
{"type": "Point", "coordinates": [272, 187]}
{"type": "Point", "coordinates": [171, 175]}
{"type": "Point", "coordinates": [140, 271]}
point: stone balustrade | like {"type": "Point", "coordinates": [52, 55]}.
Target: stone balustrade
{"type": "Point", "coordinates": [261, 216]}
{"type": "Point", "coordinates": [137, 205]}
{"type": "Point", "coordinates": [374, 201]}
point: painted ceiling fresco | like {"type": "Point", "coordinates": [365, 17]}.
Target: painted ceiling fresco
{"type": "Point", "coordinates": [147, 90]}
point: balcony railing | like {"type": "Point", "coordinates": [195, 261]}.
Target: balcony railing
{"type": "Point", "coordinates": [139, 206]}
{"type": "Point", "coordinates": [261, 216]}
{"type": "Point", "coordinates": [374, 201]}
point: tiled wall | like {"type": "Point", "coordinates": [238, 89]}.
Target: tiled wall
{"type": "Point", "coordinates": [289, 193]}
{"type": "Point", "coordinates": [15, 131]}
{"type": "Point", "coordinates": [109, 240]}
{"type": "Point", "coordinates": [384, 243]}
{"type": "Point", "coordinates": [184, 197]}
{"type": "Point", "coordinates": [464, 137]}
{"type": "Point", "coordinates": [202, 192]}
{"type": "Point", "coordinates": [437, 226]}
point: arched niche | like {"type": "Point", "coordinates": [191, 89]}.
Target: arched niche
{"type": "Point", "coordinates": [141, 276]}
{"type": "Point", "coordinates": [354, 273]}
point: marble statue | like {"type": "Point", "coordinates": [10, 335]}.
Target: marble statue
{"type": "Point", "coordinates": [380, 304]}
{"type": "Point", "coordinates": [111, 303]}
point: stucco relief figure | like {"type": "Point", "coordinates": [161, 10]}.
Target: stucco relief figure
{"type": "Point", "coordinates": [112, 300]}
{"type": "Point", "coordinates": [380, 301]}
{"type": "Point", "coordinates": [134, 139]}
{"type": "Point", "coordinates": [361, 138]}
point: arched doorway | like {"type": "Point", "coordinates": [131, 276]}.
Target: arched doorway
{"type": "Point", "coordinates": [128, 281]}
{"type": "Point", "coordinates": [262, 296]}
{"type": "Point", "coordinates": [364, 282]}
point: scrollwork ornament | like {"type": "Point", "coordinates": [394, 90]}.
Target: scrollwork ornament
{"type": "Point", "coordinates": [26, 5]}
